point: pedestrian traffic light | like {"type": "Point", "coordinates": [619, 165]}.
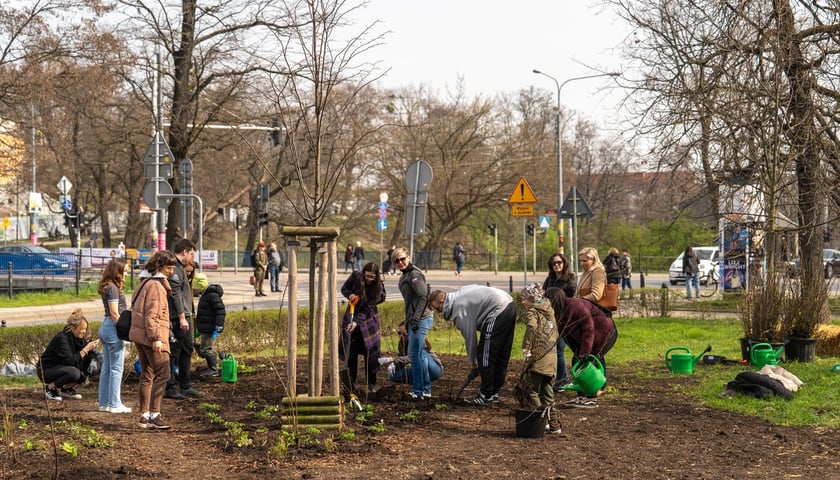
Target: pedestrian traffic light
{"type": "Point", "coordinates": [275, 132]}
{"type": "Point", "coordinates": [263, 217]}
{"type": "Point", "coordinates": [530, 229]}
{"type": "Point", "coordinates": [492, 228]}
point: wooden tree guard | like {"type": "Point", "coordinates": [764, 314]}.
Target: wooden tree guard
{"type": "Point", "coordinates": [323, 413]}
{"type": "Point", "coordinates": [326, 300]}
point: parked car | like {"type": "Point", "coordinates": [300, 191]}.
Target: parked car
{"type": "Point", "coordinates": [709, 258]}
{"type": "Point", "coordinates": [831, 264]}
{"type": "Point", "coordinates": [33, 260]}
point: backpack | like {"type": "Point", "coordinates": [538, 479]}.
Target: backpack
{"type": "Point", "coordinates": [124, 322]}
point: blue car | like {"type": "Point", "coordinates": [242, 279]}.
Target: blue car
{"type": "Point", "coordinates": [33, 260]}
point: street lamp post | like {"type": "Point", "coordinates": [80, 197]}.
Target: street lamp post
{"type": "Point", "coordinates": [559, 86]}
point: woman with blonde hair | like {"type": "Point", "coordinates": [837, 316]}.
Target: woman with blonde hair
{"type": "Point", "coordinates": [65, 361]}
{"type": "Point", "coordinates": [593, 279]}
{"type": "Point", "coordinates": [113, 352]}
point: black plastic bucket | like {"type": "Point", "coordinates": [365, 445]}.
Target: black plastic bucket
{"type": "Point", "coordinates": [530, 423]}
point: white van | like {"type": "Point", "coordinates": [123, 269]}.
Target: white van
{"type": "Point", "coordinates": [709, 258]}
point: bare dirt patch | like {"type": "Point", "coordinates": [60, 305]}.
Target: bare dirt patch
{"type": "Point", "coordinates": [644, 428]}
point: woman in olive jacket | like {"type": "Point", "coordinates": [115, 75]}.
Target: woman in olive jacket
{"type": "Point", "coordinates": [150, 332]}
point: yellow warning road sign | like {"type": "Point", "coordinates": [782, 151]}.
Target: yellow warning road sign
{"type": "Point", "coordinates": [522, 210]}
{"type": "Point", "coordinates": [522, 193]}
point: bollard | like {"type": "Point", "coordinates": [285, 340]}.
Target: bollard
{"type": "Point", "coordinates": [510, 284]}
{"type": "Point", "coordinates": [664, 301]}
{"type": "Point", "coordinates": [642, 289]}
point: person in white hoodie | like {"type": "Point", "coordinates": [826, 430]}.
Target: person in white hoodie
{"type": "Point", "coordinates": [486, 317]}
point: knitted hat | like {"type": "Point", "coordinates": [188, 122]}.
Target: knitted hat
{"type": "Point", "coordinates": [262, 244]}
{"type": "Point", "coordinates": [532, 292]}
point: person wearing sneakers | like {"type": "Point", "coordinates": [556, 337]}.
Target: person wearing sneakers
{"type": "Point", "coordinates": [150, 329]}
{"type": "Point", "coordinates": [67, 357]}
{"type": "Point", "coordinates": [539, 350]}
{"type": "Point", "coordinates": [113, 349]}
{"type": "Point", "coordinates": [492, 313]}
{"type": "Point", "coordinates": [180, 316]}
{"type": "Point", "coordinates": [419, 319]}
{"type": "Point", "coordinates": [586, 329]}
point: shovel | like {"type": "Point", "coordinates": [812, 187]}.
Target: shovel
{"type": "Point", "coordinates": [470, 377]}
{"type": "Point", "coordinates": [718, 359]}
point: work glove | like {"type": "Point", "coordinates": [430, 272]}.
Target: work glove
{"type": "Point", "coordinates": [217, 331]}
{"type": "Point", "coordinates": [581, 358]}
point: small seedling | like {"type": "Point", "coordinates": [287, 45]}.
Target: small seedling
{"type": "Point", "coordinates": [72, 448]}
{"type": "Point", "coordinates": [210, 407]}
{"type": "Point", "coordinates": [267, 412]}
{"type": "Point", "coordinates": [252, 405]}
{"type": "Point", "coordinates": [366, 413]}
{"type": "Point", "coordinates": [378, 427]}
{"type": "Point", "coordinates": [441, 406]}
{"type": "Point", "coordinates": [347, 435]}
{"type": "Point", "coordinates": [411, 416]}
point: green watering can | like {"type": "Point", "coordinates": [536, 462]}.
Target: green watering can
{"type": "Point", "coordinates": [588, 376]}
{"type": "Point", "coordinates": [683, 362]}
{"type": "Point", "coordinates": [762, 354]}
{"type": "Point", "coordinates": [229, 368]}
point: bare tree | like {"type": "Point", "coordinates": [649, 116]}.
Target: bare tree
{"type": "Point", "coordinates": [750, 88]}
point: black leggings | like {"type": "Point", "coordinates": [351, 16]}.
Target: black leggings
{"type": "Point", "coordinates": [62, 375]}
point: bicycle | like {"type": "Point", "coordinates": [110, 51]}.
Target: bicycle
{"type": "Point", "coordinates": [712, 281]}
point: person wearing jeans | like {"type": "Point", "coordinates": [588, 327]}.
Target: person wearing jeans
{"type": "Point", "coordinates": [691, 268]}
{"type": "Point", "coordinates": [418, 321]}
{"type": "Point", "coordinates": [113, 349]}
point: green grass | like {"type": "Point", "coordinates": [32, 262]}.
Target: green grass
{"type": "Point", "coordinates": [53, 297]}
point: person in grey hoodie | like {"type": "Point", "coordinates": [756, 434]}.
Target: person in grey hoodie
{"type": "Point", "coordinates": [492, 313]}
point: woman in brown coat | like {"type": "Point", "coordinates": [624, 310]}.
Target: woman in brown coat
{"type": "Point", "coordinates": [150, 333]}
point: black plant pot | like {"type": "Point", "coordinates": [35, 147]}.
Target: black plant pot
{"type": "Point", "coordinates": [801, 349]}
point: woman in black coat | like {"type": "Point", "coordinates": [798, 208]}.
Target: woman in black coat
{"type": "Point", "coordinates": [560, 277]}
{"type": "Point", "coordinates": [64, 363]}
{"type": "Point", "coordinates": [210, 321]}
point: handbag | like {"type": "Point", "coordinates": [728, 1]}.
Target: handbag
{"type": "Point", "coordinates": [610, 298]}
{"type": "Point", "coordinates": [252, 280]}
{"type": "Point", "coordinates": [124, 322]}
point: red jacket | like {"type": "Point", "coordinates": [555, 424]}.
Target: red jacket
{"type": "Point", "coordinates": [587, 324]}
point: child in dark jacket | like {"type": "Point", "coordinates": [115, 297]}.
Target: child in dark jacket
{"type": "Point", "coordinates": [210, 321]}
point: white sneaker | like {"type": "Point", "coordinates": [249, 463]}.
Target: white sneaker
{"type": "Point", "coordinates": [120, 409]}
{"type": "Point", "coordinates": [104, 408]}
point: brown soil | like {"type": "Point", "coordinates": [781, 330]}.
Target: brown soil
{"type": "Point", "coordinates": [644, 428]}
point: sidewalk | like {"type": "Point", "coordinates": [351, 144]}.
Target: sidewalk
{"type": "Point", "coordinates": [239, 293]}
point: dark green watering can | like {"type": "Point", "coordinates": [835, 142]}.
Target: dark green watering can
{"type": "Point", "coordinates": [762, 354]}
{"type": "Point", "coordinates": [683, 362]}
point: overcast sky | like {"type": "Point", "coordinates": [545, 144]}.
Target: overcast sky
{"type": "Point", "coordinates": [494, 45]}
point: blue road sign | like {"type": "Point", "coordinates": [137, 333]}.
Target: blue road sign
{"type": "Point", "coordinates": [66, 204]}
{"type": "Point", "coordinates": [383, 224]}
{"type": "Point", "coordinates": [545, 223]}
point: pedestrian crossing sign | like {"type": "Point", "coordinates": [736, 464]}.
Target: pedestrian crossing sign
{"type": "Point", "coordinates": [545, 224]}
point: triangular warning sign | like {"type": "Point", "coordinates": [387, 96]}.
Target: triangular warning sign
{"type": "Point", "coordinates": [522, 193]}
{"type": "Point", "coordinates": [574, 205]}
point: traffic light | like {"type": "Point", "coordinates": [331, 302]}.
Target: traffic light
{"type": "Point", "coordinates": [492, 228]}
{"type": "Point", "coordinates": [263, 218]}
{"type": "Point", "coordinates": [275, 133]}
{"type": "Point", "coordinates": [826, 234]}
{"type": "Point", "coordinates": [530, 229]}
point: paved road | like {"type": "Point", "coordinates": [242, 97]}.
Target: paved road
{"type": "Point", "coordinates": [239, 295]}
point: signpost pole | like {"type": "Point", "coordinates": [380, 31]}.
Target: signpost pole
{"type": "Point", "coordinates": [524, 253]}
